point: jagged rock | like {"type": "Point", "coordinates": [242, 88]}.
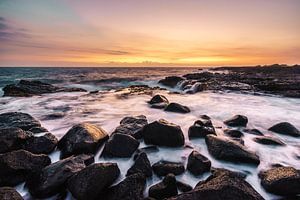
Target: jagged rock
{"type": "Point", "coordinates": [178, 108]}
{"type": "Point", "coordinates": [201, 128]}
{"type": "Point", "coordinates": [141, 165]}
{"type": "Point", "coordinates": [82, 138]}
{"type": "Point", "coordinates": [41, 145]}
{"type": "Point", "coordinates": [165, 189]}
{"type": "Point", "coordinates": [183, 187]}
{"type": "Point", "coordinates": [171, 81]}
{"type": "Point", "coordinates": [163, 133]}
{"type": "Point", "coordinates": [233, 133]}
{"type": "Point", "coordinates": [198, 164]}
{"type": "Point", "coordinates": [285, 128]}
{"type": "Point", "coordinates": [281, 181]}
{"type": "Point", "coordinates": [120, 145]}
{"type": "Point", "coordinates": [52, 179]}
{"type": "Point", "coordinates": [228, 150]}
{"type": "Point", "coordinates": [9, 193]}
{"type": "Point", "coordinates": [237, 120]}
{"type": "Point", "coordinates": [162, 168]}
{"type": "Point", "coordinates": [13, 139]}
{"type": "Point", "coordinates": [92, 180]}
{"type": "Point", "coordinates": [30, 88]}
{"type": "Point", "coordinates": [268, 140]}
{"type": "Point", "coordinates": [17, 166]}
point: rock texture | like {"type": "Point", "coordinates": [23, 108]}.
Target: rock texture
{"type": "Point", "coordinates": [41, 145]}
{"type": "Point", "coordinates": [285, 128]}
{"type": "Point", "coordinates": [237, 120]}
{"type": "Point", "coordinates": [141, 165]}
{"type": "Point", "coordinates": [171, 81]}
{"type": "Point", "coordinates": [178, 108]}
{"type": "Point", "coordinates": [268, 140]}
{"type": "Point", "coordinates": [13, 139]}
{"type": "Point", "coordinates": [165, 189]}
{"type": "Point", "coordinates": [162, 168]}
{"type": "Point", "coordinates": [201, 128]}
{"type": "Point", "coordinates": [8, 193]}
{"type": "Point", "coordinates": [197, 163]}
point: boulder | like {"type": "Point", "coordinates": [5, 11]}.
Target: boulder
{"type": "Point", "coordinates": [171, 81]}
{"type": "Point", "coordinates": [162, 168]}
{"type": "Point", "coordinates": [221, 185]}
{"type": "Point", "coordinates": [201, 128]}
{"type": "Point", "coordinates": [82, 138]}
{"type": "Point", "coordinates": [281, 180]}
{"type": "Point", "coordinates": [159, 99]}
{"type": "Point", "coordinates": [237, 120]}
{"type": "Point", "coordinates": [228, 150]}
{"type": "Point", "coordinates": [132, 126]}
{"type": "Point", "coordinates": [17, 166]}
{"type": "Point", "coordinates": [165, 189]}
{"type": "Point", "coordinates": [253, 131]}
{"type": "Point", "coordinates": [183, 187]}
{"type": "Point", "coordinates": [30, 88]}
{"type": "Point", "coordinates": [163, 133]}
{"type": "Point", "coordinates": [268, 140]}
{"type": "Point", "coordinates": [41, 145]}
{"type": "Point", "coordinates": [178, 108]}
{"type": "Point", "coordinates": [285, 128]}
{"type": "Point", "coordinates": [120, 145]}
{"type": "Point", "coordinates": [9, 193]}
{"type": "Point", "coordinates": [197, 163]}
{"type": "Point", "coordinates": [131, 188]}
{"type": "Point", "coordinates": [52, 179]}
{"type": "Point", "coordinates": [141, 165]}
{"type": "Point", "coordinates": [13, 139]}
{"type": "Point", "coordinates": [233, 133]}
{"type": "Point", "coordinates": [88, 183]}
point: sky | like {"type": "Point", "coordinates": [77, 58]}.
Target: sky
{"type": "Point", "coordinates": [149, 32]}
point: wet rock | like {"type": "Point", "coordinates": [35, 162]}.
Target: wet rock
{"type": "Point", "coordinates": [237, 120]}
{"type": "Point", "coordinates": [41, 145]}
{"type": "Point", "coordinates": [30, 88]}
{"type": "Point", "coordinates": [120, 145]}
{"type": "Point", "coordinates": [268, 140]}
{"type": "Point", "coordinates": [20, 120]}
{"type": "Point", "coordinates": [82, 138]}
{"type": "Point", "coordinates": [283, 181]}
{"type": "Point", "coordinates": [239, 140]}
{"type": "Point", "coordinates": [38, 130]}
{"type": "Point", "coordinates": [285, 128]}
{"type": "Point", "coordinates": [132, 126]}
{"type": "Point", "coordinates": [53, 178]}
{"type": "Point", "coordinates": [253, 132]}
{"type": "Point", "coordinates": [148, 149]}
{"type": "Point", "coordinates": [163, 133]}
{"type": "Point", "coordinates": [9, 193]}
{"type": "Point", "coordinates": [131, 188]}
{"type": "Point", "coordinates": [233, 133]}
{"type": "Point", "coordinates": [141, 165]}
{"type": "Point", "coordinates": [92, 180]}
{"type": "Point", "coordinates": [183, 187]}
{"type": "Point", "coordinates": [159, 99]}
{"type": "Point", "coordinates": [13, 139]}
{"type": "Point", "coordinates": [162, 168]}
{"type": "Point", "coordinates": [171, 81]}
{"type": "Point", "coordinates": [54, 116]}
{"type": "Point", "coordinates": [221, 185]}
{"type": "Point", "coordinates": [178, 108]}
{"type": "Point", "coordinates": [201, 128]}
{"type": "Point", "coordinates": [17, 166]}
{"type": "Point", "coordinates": [165, 189]}
{"type": "Point", "coordinates": [198, 164]}
{"type": "Point", "coordinates": [224, 149]}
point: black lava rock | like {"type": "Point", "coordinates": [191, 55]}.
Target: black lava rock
{"type": "Point", "coordinates": [162, 168]}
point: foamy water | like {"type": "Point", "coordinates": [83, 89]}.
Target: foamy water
{"type": "Point", "coordinates": [106, 109]}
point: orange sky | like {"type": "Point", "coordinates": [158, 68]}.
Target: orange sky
{"type": "Point", "coordinates": [149, 33]}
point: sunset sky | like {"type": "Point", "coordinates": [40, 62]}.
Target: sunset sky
{"type": "Point", "coordinates": [149, 32]}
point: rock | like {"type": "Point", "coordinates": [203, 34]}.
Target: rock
{"type": "Point", "coordinates": [82, 138]}
{"type": "Point", "coordinates": [92, 180]}
{"type": "Point", "coordinates": [221, 185]}
{"type": "Point", "coordinates": [53, 116]}
{"type": "Point", "coordinates": [162, 168]}
{"type": "Point", "coordinates": [30, 88]}
{"type": "Point", "coordinates": [131, 188]}
{"type": "Point", "coordinates": [163, 133]}
{"type": "Point", "coordinates": [165, 189]}
{"type": "Point", "coordinates": [159, 99]}
{"type": "Point", "coordinates": [285, 128]}
{"type": "Point", "coordinates": [183, 187]}
{"type": "Point", "coordinates": [120, 145]}
{"type": "Point", "coordinates": [233, 133]}
{"type": "Point", "coordinates": [141, 165]}
{"type": "Point", "coordinates": [178, 108]}
{"type": "Point", "coordinates": [132, 126]}
{"type": "Point", "coordinates": [53, 178]}
{"type": "Point", "coordinates": [19, 120]}
{"type": "Point", "coordinates": [237, 120]}
{"type": "Point", "coordinates": [253, 132]}
{"type": "Point", "coordinates": [228, 150]}
{"type": "Point", "coordinates": [148, 149]}
{"type": "Point", "coordinates": [201, 129]}
{"type": "Point", "coordinates": [171, 81]}
{"type": "Point", "coordinates": [13, 139]}
{"type": "Point", "coordinates": [9, 193]}
{"type": "Point", "coordinates": [268, 140]}
{"type": "Point", "coordinates": [17, 166]}
{"type": "Point", "coordinates": [198, 164]}
{"type": "Point", "coordinates": [41, 145]}
{"type": "Point", "coordinates": [283, 181]}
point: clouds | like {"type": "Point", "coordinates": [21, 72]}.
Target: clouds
{"type": "Point", "coordinates": [9, 32]}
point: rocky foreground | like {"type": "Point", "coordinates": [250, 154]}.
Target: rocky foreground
{"type": "Point", "coordinates": [25, 145]}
